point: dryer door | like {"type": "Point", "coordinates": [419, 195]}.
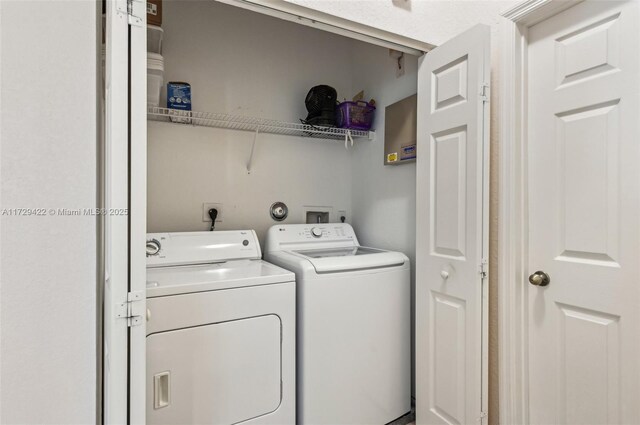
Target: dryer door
{"type": "Point", "coordinates": [221, 373]}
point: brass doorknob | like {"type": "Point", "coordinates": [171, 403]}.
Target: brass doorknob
{"type": "Point", "coordinates": [539, 278]}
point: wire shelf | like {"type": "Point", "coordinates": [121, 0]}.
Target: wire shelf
{"type": "Point", "coordinates": [261, 125]}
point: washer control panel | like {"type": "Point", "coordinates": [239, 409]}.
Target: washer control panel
{"type": "Point", "coordinates": [297, 236]}
{"type": "Point", "coordinates": [325, 232]}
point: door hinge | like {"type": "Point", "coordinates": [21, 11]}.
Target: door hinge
{"type": "Point", "coordinates": [132, 309]}
{"type": "Point", "coordinates": [485, 93]}
{"type": "Point", "coordinates": [483, 269]}
{"type": "Point", "coordinates": [121, 7]}
{"type": "Point", "coordinates": [136, 10]}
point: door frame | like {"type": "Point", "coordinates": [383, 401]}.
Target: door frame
{"type": "Point", "coordinates": [513, 206]}
{"type": "Point", "coordinates": [307, 16]}
{"type": "Point", "coordinates": [131, 368]}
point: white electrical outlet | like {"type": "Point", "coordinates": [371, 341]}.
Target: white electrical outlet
{"type": "Point", "coordinates": [341, 213]}
{"type": "Point", "coordinates": [205, 212]}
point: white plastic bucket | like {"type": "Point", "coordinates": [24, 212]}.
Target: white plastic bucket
{"type": "Point", "coordinates": [155, 78]}
{"type": "Point", "coordinates": [154, 39]}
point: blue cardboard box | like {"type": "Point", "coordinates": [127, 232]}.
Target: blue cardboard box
{"type": "Point", "coordinates": [179, 95]}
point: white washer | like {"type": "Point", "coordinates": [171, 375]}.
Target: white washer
{"type": "Point", "coordinates": [354, 341]}
{"type": "Point", "coordinates": [220, 331]}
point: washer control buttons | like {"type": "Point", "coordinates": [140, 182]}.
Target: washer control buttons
{"type": "Point", "coordinates": [245, 242]}
{"type": "Point", "coordinates": [153, 247]}
{"type": "Point", "coordinates": [316, 232]}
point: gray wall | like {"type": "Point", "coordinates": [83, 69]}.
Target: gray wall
{"type": "Point", "coordinates": [48, 160]}
{"type": "Point", "coordinates": [264, 71]}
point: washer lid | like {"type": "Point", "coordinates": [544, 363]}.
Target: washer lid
{"type": "Point", "coordinates": [212, 277]}
{"type": "Point", "coordinates": [332, 260]}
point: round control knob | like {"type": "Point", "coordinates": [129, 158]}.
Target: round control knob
{"type": "Point", "coordinates": [153, 247]}
{"type": "Point", "coordinates": [316, 232]}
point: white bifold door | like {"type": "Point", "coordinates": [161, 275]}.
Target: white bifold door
{"type": "Point", "coordinates": [452, 226]}
{"type": "Point", "coordinates": [584, 215]}
{"type": "Point", "coordinates": [124, 215]}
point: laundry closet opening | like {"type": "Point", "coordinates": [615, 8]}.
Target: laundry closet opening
{"type": "Point", "coordinates": [241, 63]}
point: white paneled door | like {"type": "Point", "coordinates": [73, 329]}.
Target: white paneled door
{"type": "Point", "coordinates": [451, 246]}
{"type": "Point", "coordinates": [584, 235]}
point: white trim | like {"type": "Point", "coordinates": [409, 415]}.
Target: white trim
{"type": "Point", "coordinates": [334, 24]}
{"type": "Point", "coordinates": [512, 239]}
{"type": "Point", "coordinates": [530, 12]}
{"type": "Point", "coordinates": [512, 376]}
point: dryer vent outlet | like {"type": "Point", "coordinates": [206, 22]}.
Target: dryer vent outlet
{"type": "Point", "coordinates": [317, 217]}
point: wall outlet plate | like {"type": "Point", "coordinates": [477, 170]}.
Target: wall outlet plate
{"type": "Point", "coordinates": [342, 213]}
{"type": "Point", "coordinates": [205, 212]}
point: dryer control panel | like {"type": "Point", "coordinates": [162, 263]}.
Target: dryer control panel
{"type": "Point", "coordinates": [166, 249]}
{"type": "Point", "coordinates": [287, 237]}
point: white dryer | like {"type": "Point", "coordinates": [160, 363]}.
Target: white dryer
{"type": "Point", "coordinates": [354, 337]}
{"type": "Point", "coordinates": [220, 331]}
